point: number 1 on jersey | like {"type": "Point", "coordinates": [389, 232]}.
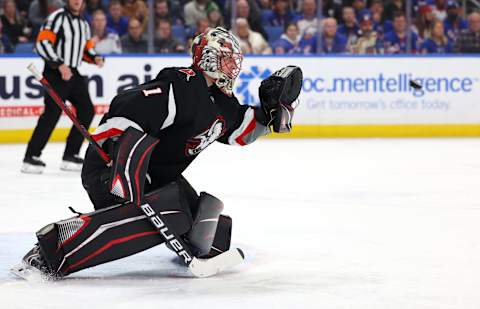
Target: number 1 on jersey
{"type": "Point", "coordinates": [152, 91]}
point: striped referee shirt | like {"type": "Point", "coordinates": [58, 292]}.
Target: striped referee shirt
{"type": "Point", "coordinates": [65, 39]}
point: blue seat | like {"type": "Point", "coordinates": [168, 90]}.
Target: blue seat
{"type": "Point", "coordinates": [25, 48]}
{"type": "Point", "coordinates": [273, 33]}
{"type": "Point", "coordinates": [264, 15]}
{"type": "Point", "coordinates": [178, 32]}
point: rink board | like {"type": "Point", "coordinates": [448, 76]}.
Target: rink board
{"type": "Point", "coordinates": [341, 97]}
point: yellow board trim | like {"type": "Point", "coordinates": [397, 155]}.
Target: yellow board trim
{"type": "Point", "coordinates": [312, 131]}
{"type": "Point", "coordinates": [396, 130]}
{"type": "Point", "coordinates": [23, 135]}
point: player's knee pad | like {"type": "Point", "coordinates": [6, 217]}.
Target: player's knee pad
{"type": "Point", "coordinates": [110, 233]}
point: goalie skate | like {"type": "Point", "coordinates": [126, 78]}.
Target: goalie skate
{"type": "Point", "coordinates": [32, 268]}
{"type": "Point", "coordinates": [30, 273]}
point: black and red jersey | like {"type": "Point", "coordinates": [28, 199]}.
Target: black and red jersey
{"type": "Point", "coordinates": [186, 115]}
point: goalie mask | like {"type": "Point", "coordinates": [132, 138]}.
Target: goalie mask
{"type": "Point", "coordinates": [217, 53]}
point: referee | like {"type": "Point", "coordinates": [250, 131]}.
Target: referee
{"type": "Point", "coordinates": [63, 42]}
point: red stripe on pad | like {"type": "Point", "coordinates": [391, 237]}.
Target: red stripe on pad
{"type": "Point", "coordinates": [106, 134]}
{"type": "Point", "coordinates": [137, 181]}
{"type": "Point", "coordinates": [108, 245]}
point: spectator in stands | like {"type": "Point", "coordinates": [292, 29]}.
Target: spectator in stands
{"type": "Point", "coordinates": [392, 7]}
{"type": "Point", "coordinates": [39, 10]}
{"type": "Point", "coordinates": [252, 10]}
{"type": "Point", "coordinates": [133, 41]}
{"type": "Point", "coordinates": [358, 6]}
{"type": "Point", "coordinates": [439, 11]}
{"type": "Point", "coordinates": [333, 8]}
{"type": "Point", "coordinates": [289, 41]}
{"type": "Point", "coordinates": [164, 42]}
{"type": "Point", "coordinates": [22, 7]}
{"type": "Point", "coordinates": [469, 39]}
{"type": "Point", "coordinates": [438, 42]}
{"type": "Point", "coordinates": [14, 26]}
{"type": "Point", "coordinates": [253, 17]}
{"type": "Point", "coordinates": [265, 5]}
{"type": "Point", "coordinates": [251, 42]}
{"type": "Point", "coordinates": [281, 15]}
{"type": "Point", "coordinates": [196, 10]}
{"type": "Point", "coordinates": [424, 20]}
{"type": "Point", "coordinates": [128, 8]}
{"type": "Point", "coordinates": [201, 26]}
{"type": "Point", "coordinates": [395, 42]}
{"type": "Point", "coordinates": [331, 41]}
{"type": "Point", "coordinates": [106, 40]}
{"type": "Point", "coordinates": [307, 41]}
{"type": "Point", "coordinates": [349, 27]}
{"type": "Point", "coordinates": [454, 24]}
{"type": "Point", "coordinates": [308, 18]}
{"type": "Point", "coordinates": [175, 9]}
{"type": "Point", "coordinates": [215, 17]}
{"type": "Point", "coordinates": [6, 46]}
{"type": "Point", "coordinates": [90, 7]}
{"type": "Point", "coordinates": [380, 24]}
{"type": "Point", "coordinates": [115, 19]}
{"type": "Point", "coordinates": [162, 11]}
{"type": "Point", "coordinates": [141, 13]}
{"type": "Point", "coordinates": [368, 42]}
{"type": "Point", "coordinates": [136, 9]}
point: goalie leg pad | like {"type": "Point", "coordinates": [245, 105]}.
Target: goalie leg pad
{"type": "Point", "coordinates": [110, 233]}
{"type": "Point", "coordinates": [205, 224]}
{"type": "Point", "coordinates": [125, 180]}
{"type": "Point", "coordinates": [223, 235]}
{"type": "Point", "coordinates": [130, 165]}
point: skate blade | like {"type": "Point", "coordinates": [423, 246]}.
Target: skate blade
{"type": "Point", "coordinates": [70, 166]}
{"type": "Point", "coordinates": [31, 169]}
{"type": "Point", "coordinates": [29, 273]}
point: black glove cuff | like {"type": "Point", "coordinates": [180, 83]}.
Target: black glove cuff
{"type": "Point", "coordinates": [263, 117]}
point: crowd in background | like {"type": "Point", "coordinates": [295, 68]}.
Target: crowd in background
{"type": "Point", "coordinates": [263, 26]}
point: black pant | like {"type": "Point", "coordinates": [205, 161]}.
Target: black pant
{"type": "Point", "coordinates": [74, 90]}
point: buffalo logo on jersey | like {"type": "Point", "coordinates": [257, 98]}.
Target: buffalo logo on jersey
{"type": "Point", "coordinates": [188, 73]}
{"type": "Point", "coordinates": [198, 143]}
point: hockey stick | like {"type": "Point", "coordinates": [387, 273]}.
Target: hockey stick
{"type": "Point", "coordinates": [198, 267]}
{"type": "Point", "coordinates": [58, 100]}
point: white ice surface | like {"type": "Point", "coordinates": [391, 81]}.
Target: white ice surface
{"type": "Point", "coordinates": [324, 223]}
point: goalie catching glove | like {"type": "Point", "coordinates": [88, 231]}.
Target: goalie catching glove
{"type": "Point", "coordinates": [277, 94]}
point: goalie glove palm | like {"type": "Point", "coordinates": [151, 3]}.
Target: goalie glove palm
{"type": "Point", "coordinates": [277, 94]}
